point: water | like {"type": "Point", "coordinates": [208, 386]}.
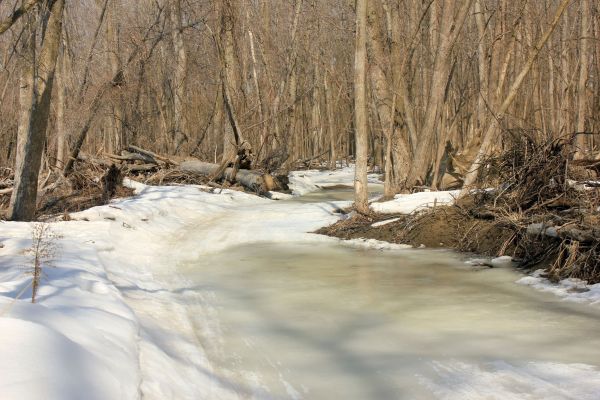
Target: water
{"type": "Point", "coordinates": [327, 321]}
{"type": "Point", "coordinates": [338, 193]}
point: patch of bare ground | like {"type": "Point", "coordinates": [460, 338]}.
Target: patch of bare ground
{"type": "Point", "coordinates": [444, 227]}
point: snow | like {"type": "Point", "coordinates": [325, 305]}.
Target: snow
{"type": "Point", "coordinates": [280, 196]}
{"type": "Point", "coordinates": [107, 325]}
{"type": "Point", "coordinates": [504, 381]}
{"type": "Point", "coordinates": [503, 261]}
{"type": "Point", "coordinates": [385, 222]}
{"type": "Point", "coordinates": [51, 366]}
{"type": "Point", "coordinates": [574, 290]}
{"type": "Point", "coordinates": [80, 337]}
{"type": "Point", "coordinates": [110, 323]}
{"type": "Point", "coordinates": [410, 203]}
{"type": "Point", "coordinates": [373, 244]}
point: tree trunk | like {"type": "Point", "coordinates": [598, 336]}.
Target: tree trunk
{"type": "Point", "coordinates": [330, 123]}
{"type": "Point", "coordinates": [252, 180]}
{"type": "Point", "coordinates": [180, 129]}
{"type": "Point", "coordinates": [383, 97]}
{"type": "Point", "coordinates": [114, 134]}
{"type": "Point", "coordinates": [584, 57]}
{"type": "Point", "coordinates": [231, 137]}
{"type": "Point", "coordinates": [361, 199]}
{"type": "Point", "coordinates": [61, 106]}
{"type": "Point", "coordinates": [36, 90]}
{"type": "Point", "coordinates": [450, 29]}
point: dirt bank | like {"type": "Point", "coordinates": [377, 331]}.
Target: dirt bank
{"type": "Point", "coordinates": [444, 227]}
{"type": "Point", "coordinates": [466, 227]}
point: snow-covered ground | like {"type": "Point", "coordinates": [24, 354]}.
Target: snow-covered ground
{"type": "Point", "coordinates": [570, 289]}
{"type": "Point", "coordinates": [107, 324]}
{"type": "Point", "coordinates": [83, 335]}
{"type": "Point", "coordinates": [409, 203]}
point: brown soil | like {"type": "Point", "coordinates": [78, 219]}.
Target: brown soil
{"type": "Point", "coordinates": [444, 227]}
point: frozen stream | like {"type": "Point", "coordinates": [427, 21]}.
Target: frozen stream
{"type": "Point", "coordinates": [329, 321]}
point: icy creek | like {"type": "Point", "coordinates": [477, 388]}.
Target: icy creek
{"type": "Point", "coordinates": [329, 320]}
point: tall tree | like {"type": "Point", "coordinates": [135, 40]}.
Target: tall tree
{"type": "Point", "coordinates": [450, 27]}
{"type": "Point", "coordinates": [584, 57]}
{"type": "Point", "coordinates": [180, 128]}
{"type": "Point", "coordinates": [232, 138]}
{"type": "Point", "coordinates": [361, 118]}
{"type": "Point", "coordinates": [35, 98]}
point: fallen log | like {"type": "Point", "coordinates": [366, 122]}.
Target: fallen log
{"type": "Point", "coordinates": [568, 231]}
{"type": "Point", "coordinates": [141, 168]}
{"type": "Point", "coordinates": [133, 157]}
{"type": "Point", "coordinates": [253, 180]}
{"type": "Point", "coordinates": [148, 153]}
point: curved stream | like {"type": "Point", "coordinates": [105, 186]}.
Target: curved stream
{"type": "Point", "coordinates": [331, 321]}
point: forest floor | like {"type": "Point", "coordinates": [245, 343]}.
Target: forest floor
{"type": "Point", "coordinates": [98, 328]}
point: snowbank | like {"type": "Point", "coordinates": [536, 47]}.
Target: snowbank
{"type": "Point", "coordinates": [373, 244]}
{"type": "Point", "coordinates": [570, 289]}
{"type": "Point", "coordinates": [80, 339]}
{"type": "Point", "coordinates": [304, 182]}
{"type": "Point", "coordinates": [409, 203]}
{"type": "Point", "coordinates": [107, 324]}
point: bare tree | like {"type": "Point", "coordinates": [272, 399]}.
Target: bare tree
{"type": "Point", "coordinates": [361, 199]}
{"type": "Point", "coordinates": [36, 91]}
{"type": "Point", "coordinates": [488, 136]}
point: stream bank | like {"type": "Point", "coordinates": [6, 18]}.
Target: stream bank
{"type": "Point", "coordinates": [533, 202]}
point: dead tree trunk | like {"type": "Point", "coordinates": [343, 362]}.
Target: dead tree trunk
{"type": "Point", "coordinates": [252, 180]}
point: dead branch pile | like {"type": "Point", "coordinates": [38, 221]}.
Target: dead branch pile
{"type": "Point", "coordinates": [6, 185]}
{"type": "Point", "coordinates": [95, 179]}
{"type": "Point", "coordinates": [548, 200]}
{"type": "Point", "coordinates": [89, 184]}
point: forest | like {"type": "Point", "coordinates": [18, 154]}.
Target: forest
{"type": "Point", "coordinates": [445, 81]}
{"type": "Point", "coordinates": [143, 143]}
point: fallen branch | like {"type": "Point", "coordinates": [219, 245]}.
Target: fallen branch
{"type": "Point", "coordinates": [141, 168]}
{"type": "Point", "coordinates": [135, 149]}
{"type": "Point", "coordinates": [127, 156]}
